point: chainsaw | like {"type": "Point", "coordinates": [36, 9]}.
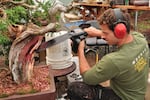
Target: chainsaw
{"type": "Point", "coordinates": [76, 35]}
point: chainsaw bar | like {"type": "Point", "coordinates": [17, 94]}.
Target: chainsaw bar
{"type": "Point", "coordinates": [53, 41]}
{"type": "Point", "coordinates": [74, 33]}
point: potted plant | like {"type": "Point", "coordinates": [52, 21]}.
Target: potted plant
{"type": "Point", "coordinates": [15, 15]}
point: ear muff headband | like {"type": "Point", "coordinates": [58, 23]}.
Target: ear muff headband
{"type": "Point", "coordinates": [120, 27]}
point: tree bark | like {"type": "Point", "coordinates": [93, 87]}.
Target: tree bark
{"type": "Point", "coordinates": [21, 55]}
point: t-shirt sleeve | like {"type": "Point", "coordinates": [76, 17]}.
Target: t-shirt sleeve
{"type": "Point", "coordinates": [102, 71]}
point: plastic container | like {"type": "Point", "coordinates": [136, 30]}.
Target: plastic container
{"type": "Point", "coordinates": [58, 56]}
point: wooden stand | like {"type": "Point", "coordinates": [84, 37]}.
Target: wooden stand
{"type": "Point", "coordinates": [65, 71]}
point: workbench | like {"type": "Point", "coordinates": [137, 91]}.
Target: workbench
{"type": "Point", "coordinates": [96, 9]}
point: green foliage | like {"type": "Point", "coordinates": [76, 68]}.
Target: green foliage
{"type": "Point", "coordinates": [45, 6]}
{"type": "Point", "coordinates": [3, 95]}
{"type": "Point", "coordinates": [17, 0]}
{"type": "Point", "coordinates": [30, 2]}
{"type": "Point", "coordinates": [5, 46]}
{"type": "Point", "coordinates": [4, 39]}
{"type": "Point", "coordinates": [38, 14]}
{"type": "Point", "coordinates": [5, 42]}
{"type": "Point", "coordinates": [57, 16]}
{"type": "Point", "coordinates": [41, 12]}
{"type": "Point", "coordinates": [143, 25]}
{"type": "Point", "coordinates": [3, 26]}
{"type": "Point", "coordinates": [33, 91]}
{"type": "Point", "coordinates": [23, 91]}
{"type": "Point", "coordinates": [16, 14]}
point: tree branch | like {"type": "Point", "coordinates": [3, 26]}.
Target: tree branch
{"type": "Point", "coordinates": [22, 3]}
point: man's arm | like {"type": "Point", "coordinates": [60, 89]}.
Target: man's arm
{"type": "Point", "coordinates": [93, 32]}
{"type": "Point", "coordinates": [84, 66]}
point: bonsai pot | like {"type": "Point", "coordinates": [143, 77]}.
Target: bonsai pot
{"type": "Point", "coordinates": [48, 94]}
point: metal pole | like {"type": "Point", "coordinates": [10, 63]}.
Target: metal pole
{"type": "Point", "coordinates": [136, 18]}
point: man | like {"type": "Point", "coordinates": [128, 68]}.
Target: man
{"type": "Point", "coordinates": [127, 68]}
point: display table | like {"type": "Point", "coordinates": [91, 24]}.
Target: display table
{"type": "Point", "coordinates": [58, 76]}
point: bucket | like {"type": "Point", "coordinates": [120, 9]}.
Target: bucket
{"type": "Point", "coordinates": [58, 56]}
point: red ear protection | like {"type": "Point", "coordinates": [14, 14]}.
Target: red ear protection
{"type": "Point", "coordinates": [120, 30]}
{"type": "Point", "coordinates": [120, 26]}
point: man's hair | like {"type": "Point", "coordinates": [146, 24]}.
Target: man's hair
{"type": "Point", "coordinates": [109, 18]}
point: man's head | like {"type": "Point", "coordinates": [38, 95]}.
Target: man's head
{"type": "Point", "coordinates": [115, 21]}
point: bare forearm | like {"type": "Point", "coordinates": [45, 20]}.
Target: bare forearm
{"type": "Point", "coordinates": [93, 32]}
{"type": "Point", "coordinates": [84, 66]}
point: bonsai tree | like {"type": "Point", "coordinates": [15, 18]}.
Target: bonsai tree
{"type": "Point", "coordinates": [26, 33]}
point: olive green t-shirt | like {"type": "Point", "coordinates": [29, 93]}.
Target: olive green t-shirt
{"type": "Point", "coordinates": [127, 69]}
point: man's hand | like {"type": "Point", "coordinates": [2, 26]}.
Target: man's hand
{"type": "Point", "coordinates": [81, 46]}
{"type": "Point", "coordinates": [84, 66]}
{"type": "Point", "coordinates": [93, 32]}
